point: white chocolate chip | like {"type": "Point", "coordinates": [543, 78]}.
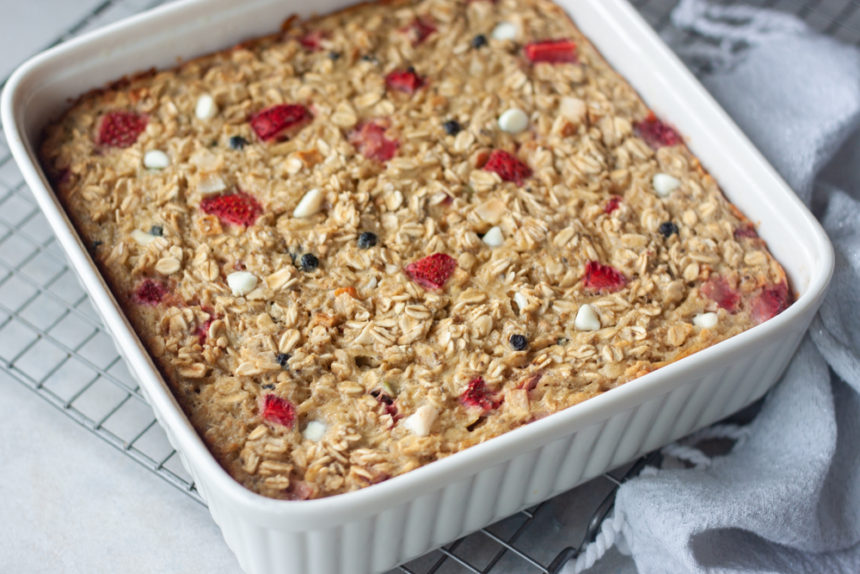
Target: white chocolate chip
{"type": "Point", "coordinates": [314, 431]}
{"type": "Point", "coordinates": [664, 184]}
{"type": "Point", "coordinates": [513, 121]}
{"type": "Point", "coordinates": [494, 237]}
{"type": "Point", "coordinates": [419, 422]}
{"type": "Point", "coordinates": [310, 204]}
{"type": "Point", "coordinates": [142, 237]}
{"type": "Point", "coordinates": [211, 184]}
{"type": "Point", "coordinates": [155, 159]}
{"type": "Point", "coordinates": [586, 319]}
{"type": "Point", "coordinates": [520, 300]}
{"type": "Point", "coordinates": [241, 282]}
{"type": "Point", "coordinates": [505, 31]}
{"type": "Point", "coordinates": [705, 320]}
{"type": "Point", "coordinates": [205, 108]}
{"type": "Point", "coordinates": [572, 108]}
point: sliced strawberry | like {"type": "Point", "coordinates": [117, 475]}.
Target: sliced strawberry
{"type": "Point", "coordinates": [718, 290]}
{"type": "Point", "coordinates": [556, 51]}
{"type": "Point", "coordinates": [655, 133]}
{"type": "Point", "coordinates": [477, 395]}
{"type": "Point", "coordinates": [237, 208]}
{"type": "Point", "coordinates": [121, 129]}
{"type": "Point", "coordinates": [371, 142]}
{"type": "Point", "coordinates": [406, 81]}
{"type": "Point", "coordinates": [418, 30]}
{"type": "Point", "coordinates": [280, 120]}
{"type": "Point", "coordinates": [746, 231]}
{"type": "Point", "coordinates": [508, 166]}
{"type": "Point", "coordinates": [770, 302]}
{"type": "Point", "coordinates": [603, 278]}
{"type": "Point", "coordinates": [278, 410]}
{"type": "Point", "coordinates": [433, 271]}
{"type": "Point", "coordinates": [611, 205]}
{"type": "Point", "coordinates": [150, 292]}
{"type": "Point", "coordinates": [312, 40]}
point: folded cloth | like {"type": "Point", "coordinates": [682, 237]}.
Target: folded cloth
{"type": "Point", "coordinates": [787, 499]}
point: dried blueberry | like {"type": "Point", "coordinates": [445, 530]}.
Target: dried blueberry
{"type": "Point", "coordinates": [479, 41]}
{"type": "Point", "coordinates": [267, 386]}
{"type": "Point", "coordinates": [451, 127]}
{"type": "Point", "coordinates": [156, 230]}
{"type": "Point", "coordinates": [667, 228]}
{"type": "Point", "coordinates": [369, 58]}
{"type": "Point", "coordinates": [97, 243]}
{"type": "Point", "coordinates": [366, 240]}
{"type": "Point", "coordinates": [333, 56]}
{"type": "Point", "coordinates": [283, 359]}
{"type": "Point", "coordinates": [519, 342]}
{"type": "Point", "coordinates": [309, 262]}
{"type": "Point", "coordinates": [238, 142]}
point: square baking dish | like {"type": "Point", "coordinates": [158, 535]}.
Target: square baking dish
{"type": "Point", "coordinates": [380, 526]}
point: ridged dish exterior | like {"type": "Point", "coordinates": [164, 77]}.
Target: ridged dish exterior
{"type": "Point", "coordinates": [374, 529]}
{"type": "Point", "coordinates": [380, 540]}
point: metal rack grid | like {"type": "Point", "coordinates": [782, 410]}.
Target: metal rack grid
{"type": "Point", "coordinates": [52, 341]}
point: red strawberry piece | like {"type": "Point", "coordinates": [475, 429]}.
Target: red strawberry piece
{"type": "Point", "coordinates": [121, 129]}
{"type": "Point", "coordinates": [277, 121]}
{"type": "Point", "coordinates": [371, 142]}
{"type": "Point", "coordinates": [150, 292]}
{"type": "Point", "coordinates": [406, 81]}
{"type": "Point", "coordinates": [655, 133]}
{"type": "Point", "coordinates": [237, 208]}
{"type": "Point", "coordinates": [718, 290]}
{"type": "Point", "coordinates": [312, 40]}
{"type": "Point", "coordinates": [477, 395]}
{"type": "Point", "coordinates": [278, 410]}
{"type": "Point", "coordinates": [555, 51]}
{"type": "Point", "coordinates": [611, 205]}
{"type": "Point", "coordinates": [432, 271]}
{"type": "Point", "coordinates": [603, 278]}
{"type": "Point", "coordinates": [418, 30]}
{"type": "Point", "coordinates": [746, 231]}
{"type": "Point", "coordinates": [508, 166]}
{"type": "Point", "coordinates": [770, 302]}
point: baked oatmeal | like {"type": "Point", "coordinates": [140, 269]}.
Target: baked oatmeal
{"type": "Point", "coordinates": [384, 235]}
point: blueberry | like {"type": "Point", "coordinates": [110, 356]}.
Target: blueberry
{"type": "Point", "coordinates": [366, 240]}
{"type": "Point", "coordinates": [267, 386]}
{"type": "Point", "coordinates": [519, 342]}
{"type": "Point", "coordinates": [157, 230]}
{"type": "Point", "coordinates": [97, 243]}
{"type": "Point", "coordinates": [479, 41]}
{"type": "Point", "coordinates": [282, 359]}
{"type": "Point", "coordinates": [238, 142]}
{"type": "Point", "coordinates": [451, 127]}
{"type": "Point", "coordinates": [369, 58]}
{"type": "Point", "coordinates": [333, 56]}
{"type": "Point", "coordinates": [667, 228]}
{"type": "Point", "coordinates": [309, 262]}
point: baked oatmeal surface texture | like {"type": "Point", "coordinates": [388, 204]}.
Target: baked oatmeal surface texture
{"type": "Point", "coordinates": [384, 235]}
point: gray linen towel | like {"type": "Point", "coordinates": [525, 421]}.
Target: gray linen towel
{"type": "Point", "coordinates": [786, 499]}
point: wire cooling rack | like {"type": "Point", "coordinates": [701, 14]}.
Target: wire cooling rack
{"type": "Point", "coordinates": [52, 341]}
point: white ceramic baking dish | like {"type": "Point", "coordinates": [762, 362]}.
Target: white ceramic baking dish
{"type": "Point", "coordinates": [386, 524]}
